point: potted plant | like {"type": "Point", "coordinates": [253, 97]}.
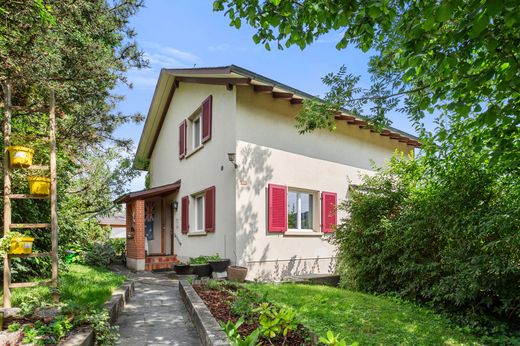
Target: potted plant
{"type": "Point", "coordinates": [182, 268]}
{"type": "Point", "coordinates": [200, 266]}
{"type": "Point", "coordinates": [16, 243]}
{"type": "Point", "coordinates": [219, 265]}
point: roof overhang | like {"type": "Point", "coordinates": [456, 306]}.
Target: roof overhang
{"type": "Point", "coordinates": [159, 191]}
{"type": "Point", "coordinates": [229, 76]}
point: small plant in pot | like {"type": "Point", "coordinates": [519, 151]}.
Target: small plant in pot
{"type": "Point", "coordinates": [200, 266]}
{"type": "Point", "coordinates": [183, 268]}
{"type": "Point", "coordinates": [219, 265]}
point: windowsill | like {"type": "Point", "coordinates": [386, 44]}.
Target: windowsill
{"type": "Point", "coordinates": [194, 151]}
{"type": "Point", "coordinates": [297, 232]}
{"type": "Point", "coordinates": [197, 233]}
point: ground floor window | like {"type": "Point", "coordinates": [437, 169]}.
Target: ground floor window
{"type": "Point", "coordinates": [199, 212]}
{"type": "Point", "coordinates": [300, 210]}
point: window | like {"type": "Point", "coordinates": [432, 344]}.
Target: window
{"type": "Point", "coordinates": [196, 131]}
{"type": "Point", "coordinates": [199, 213]}
{"type": "Point", "coordinates": [300, 210]}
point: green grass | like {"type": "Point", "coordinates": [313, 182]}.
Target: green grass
{"type": "Point", "coordinates": [365, 318]}
{"type": "Point", "coordinates": [80, 285]}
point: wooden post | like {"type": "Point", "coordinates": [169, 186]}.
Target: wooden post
{"type": "Point", "coordinates": [54, 200]}
{"type": "Point", "coordinates": [7, 189]}
{"type": "Point", "coordinates": [172, 235]}
{"type": "Point", "coordinates": [163, 226]}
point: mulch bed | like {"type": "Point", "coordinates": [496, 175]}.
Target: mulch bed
{"type": "Point", "coordinates": [219, 303]}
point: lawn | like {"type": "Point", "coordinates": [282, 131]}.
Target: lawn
{"type": "Point", "coordinates": [365, 318]}
{"type": "Point", "coordinates": [80, 286]}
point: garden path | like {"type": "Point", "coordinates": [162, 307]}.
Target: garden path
{"type": "Point", "coordinates": [156, 315]}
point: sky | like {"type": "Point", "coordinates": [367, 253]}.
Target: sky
{"type": "Point", "coordinates": [187, 33]}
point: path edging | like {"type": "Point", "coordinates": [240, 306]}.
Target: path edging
{"type": "Point", "coordinates": [206, 325]}
{"type": "Point", "coordinates": [114, 306]}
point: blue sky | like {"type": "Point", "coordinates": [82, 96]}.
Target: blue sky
{"type": "Point", "coordinates": [185, 33]}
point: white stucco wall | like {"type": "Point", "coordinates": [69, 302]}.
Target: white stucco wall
{"type": "Point", "coordinates": [207, 167]}
{"type": "Point", "coordinates": [270, 150]}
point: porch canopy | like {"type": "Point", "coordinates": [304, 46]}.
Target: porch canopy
{"type": "Point", "coordinates": [159, 191]}
{"type": "Point", "coordinates": [156, 252]}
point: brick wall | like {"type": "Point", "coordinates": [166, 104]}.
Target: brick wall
{"type": "Point", "coordinates": [135, 246]}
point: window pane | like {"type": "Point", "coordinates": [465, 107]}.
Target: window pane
{"type": "Point", "coordinates": [292, 209]}
{"type": "Point", "coordinates": [306, 210]}
{"type": "Point", "coordinates": [196, 132]}
{"type": "Point", "coordinates": [199, 212]}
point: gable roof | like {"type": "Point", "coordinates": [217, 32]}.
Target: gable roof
{"type": "Point", "coordinates": [229, 76]}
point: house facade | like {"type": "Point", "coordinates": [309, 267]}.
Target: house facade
{"type": "Point", "coordinates": [230, 174]}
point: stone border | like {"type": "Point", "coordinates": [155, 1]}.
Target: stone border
{"type": "Point", "coordinates": [114, 306]}
{"type": "Point", "coordinates": [206, 325]}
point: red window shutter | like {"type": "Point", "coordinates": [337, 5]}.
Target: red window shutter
{"type": "Point", "coordinates": [209, 209]}
{"type": "Point", "coordinates": [277, 208]}
{"type": "Point", "coordinates": [207, 110]}
{"type": "Point", "coordinates": [185, 204]}
{"type": "Point", "coordinates": [182, 139]}
{"type": "Point", "coordinates": [328, 211]}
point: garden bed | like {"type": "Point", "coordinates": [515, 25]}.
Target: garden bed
{"type": "Point", "coordinates": [230, 302]}
{"type": "Point", "coordinates": [83, 291]}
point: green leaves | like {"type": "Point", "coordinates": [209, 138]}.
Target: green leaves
{"type": "Point", "coordinates": [444, 12]}
{"type": "Point", "coordinates": [479, 24]}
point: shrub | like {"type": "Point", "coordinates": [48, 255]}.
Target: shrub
{"type": "Point", "coordinates": [101, 254]}
{"type": "Point", "coordinates": [448, 237]}
{"type": "Point", "coordinates": [119, 246]}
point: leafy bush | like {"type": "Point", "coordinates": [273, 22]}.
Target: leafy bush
{"type": "Point", "coordinates": [446, 236]}
{"type": "Point", "coordinates": [246, 301]}
{"type": "Point", "coordinates": [119, 246]}
{"type": "Point", "coordinates": [106, 334]}
{"type": "Point", "coordinates": [101, 254]}
{"type": "Point", "coordinates": [231, 330]}
{"type": "Point", "coordinates": [275, 321]}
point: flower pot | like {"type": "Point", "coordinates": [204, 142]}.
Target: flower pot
{"type": "Point", "coordinates": [236, 273]}
{"type": "Point", "coordinates": [201, 270]}
{"type": "Point", "coordinates": [183, 269]}
{"type": "Point", "coordinates": [220, 266]}
{"type": "Point", "coordinates": [39, 186]}
{"type": "Point", "coordinates": [21, 246]}
{"type": "Point", "coordinates": [20, 156]}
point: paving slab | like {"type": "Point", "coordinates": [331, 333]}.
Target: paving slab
{"type": "Point", "coordinates": [156, 315]}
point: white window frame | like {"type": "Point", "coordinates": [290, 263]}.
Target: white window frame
{"type": "Point", "coordinates": [196, 212]}
{"type": "Point", "coordinates": [190, 132]}
{"type": "Point", "coordinates": [313, 208]}
{"type": "Point", "coordinates": [195, 145]}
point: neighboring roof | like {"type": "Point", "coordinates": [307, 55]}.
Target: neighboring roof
{"type": "Point", "coordinates": [115, 220]}
{"type": "Point", "coordinates": [149, 193]}
{"type": "Point", "coordinates": [229, 76]}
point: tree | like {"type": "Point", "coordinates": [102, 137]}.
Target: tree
{"type": "Point", "coordinates": [81, 50]}
{"type": "Point", "coordinates": [458, 60]}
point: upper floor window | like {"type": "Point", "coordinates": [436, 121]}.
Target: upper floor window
{"type": "Point", "coordinates": [196, 129]}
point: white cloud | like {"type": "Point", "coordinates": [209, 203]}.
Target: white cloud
{"type": "Point", "coordinates": [143, 79]}
{"type": "Point", "coordinates": [166, 56]}
{"type": "Point", "coordinates": [159, 56]}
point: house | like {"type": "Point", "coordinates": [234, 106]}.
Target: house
{"type": "Point", "coordinates": [116, 223]}
{"type": "Point", "coordinates": [230, 174]}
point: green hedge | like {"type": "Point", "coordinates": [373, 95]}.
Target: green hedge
{"type": "Point", "coordinates": [449, 238]}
